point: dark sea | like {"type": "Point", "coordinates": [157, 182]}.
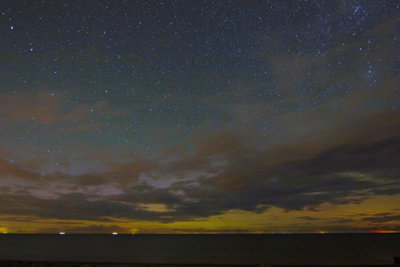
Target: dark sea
{"type": "Point", "coordinates": [326, 249]}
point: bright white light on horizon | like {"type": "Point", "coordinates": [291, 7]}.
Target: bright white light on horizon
{"type": "Point", "coordinates": [62, 233]}
{"type": "Point", "coordinates": [115, 233]}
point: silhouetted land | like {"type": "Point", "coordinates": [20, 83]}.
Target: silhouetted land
{"type": "Point", "coordinates": [86, 264]}
{"type": "Point", "coordinates": [77, 264]}
{"type": "Point", "coordinates": [200, 250]}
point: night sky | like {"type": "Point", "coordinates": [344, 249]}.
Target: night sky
{"type": "Point", "coordinates": [199, 116]}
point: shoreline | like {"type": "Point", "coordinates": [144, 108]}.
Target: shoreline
{"type": "Point", "coordinates": [18, 263]}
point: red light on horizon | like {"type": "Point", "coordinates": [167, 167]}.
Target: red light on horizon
{"type": "Point", "coordinates": [380, 231]}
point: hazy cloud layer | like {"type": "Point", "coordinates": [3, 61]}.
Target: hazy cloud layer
{"type": "Point", "coordinates": [223, 173]}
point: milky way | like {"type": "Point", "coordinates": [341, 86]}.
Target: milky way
{"type": "Point", "coordinates": [199, 116]}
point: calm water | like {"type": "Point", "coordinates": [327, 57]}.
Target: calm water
{"type": "Point", "coordinates": [218, 249]}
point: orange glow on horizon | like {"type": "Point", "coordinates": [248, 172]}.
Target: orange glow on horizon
{"type": "Point", "coordinates": [380, 231]}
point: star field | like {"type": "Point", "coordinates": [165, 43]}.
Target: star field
{"type": "Point", "coordinates": [199, 116]}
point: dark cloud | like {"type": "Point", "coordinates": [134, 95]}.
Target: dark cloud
{"type": "Point", "coordinates": [68, 206]}
{"type": "Point", "coordinates": [9, 169]}
{"type": "Point", "coordinates": [88, 179]}
{"type": "Point", "coordinates": [376, 157]}
{"type": "Point", "coordinates": [308, 218]}
{"type": "Point", "coordinates": [383, 218]}
{"type": "Point", "coordinates": [75, 206]}
{"type": "Point", "coordinates": [342, 175]}
{"type": "Point", "coordinates": [224, 172]}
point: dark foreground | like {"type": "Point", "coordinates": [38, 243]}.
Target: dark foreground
{"type": "Point", "coordinates": [199, 250]}
{"type": "Point", "coordinates": [76, 264]}
{"type": "Point", "coordinates": [66, 264]}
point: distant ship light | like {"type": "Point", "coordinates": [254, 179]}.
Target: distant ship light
{"type": "Point", "coordinates": [115, 233]}
{"type": "Point", "coordinates": [62, 233]}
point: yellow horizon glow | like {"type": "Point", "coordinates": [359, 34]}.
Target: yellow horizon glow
{"type": "Point", "coordinates": [273, 220]}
